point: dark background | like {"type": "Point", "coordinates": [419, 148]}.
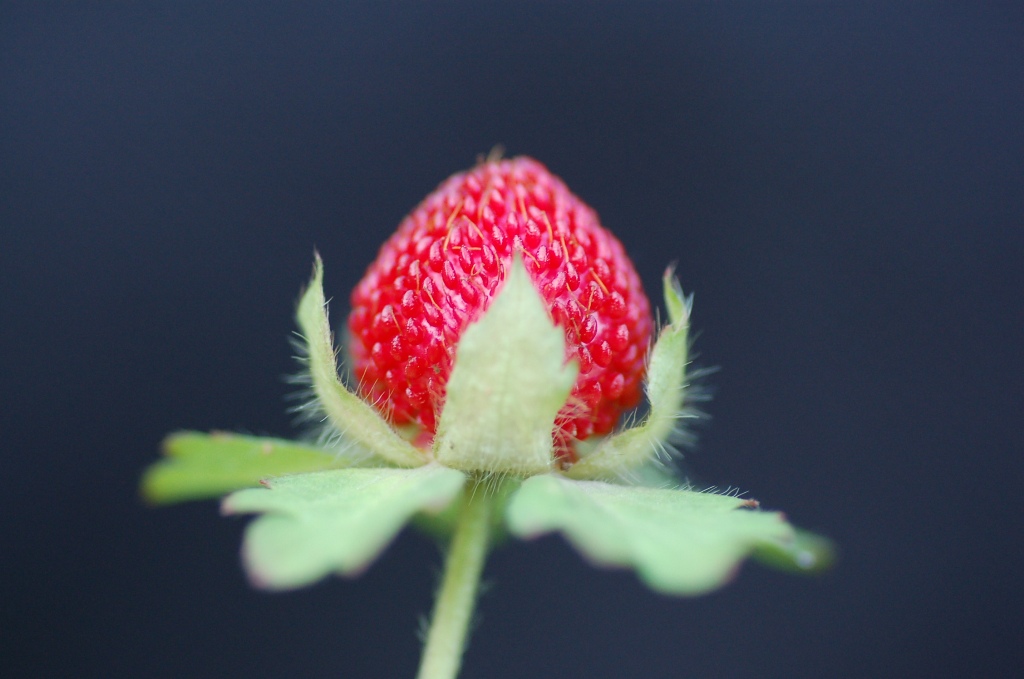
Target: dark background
{"type": "Point", "coordinates": [841, 185]}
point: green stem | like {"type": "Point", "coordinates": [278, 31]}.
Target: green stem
{"type": "Point", "coordinates": [453, 610]}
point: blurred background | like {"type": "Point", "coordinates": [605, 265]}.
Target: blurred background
{"type": "Point", "coordinates": [841, 184]}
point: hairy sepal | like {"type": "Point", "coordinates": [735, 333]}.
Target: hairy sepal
{"type": "Point", "coordinates": [621, 454]}
{"type": "Point", "coordinates": [356, 420]}
{"type": "Point", "coordinates": [509, 380]}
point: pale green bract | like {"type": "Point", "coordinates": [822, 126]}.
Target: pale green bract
{"type": "Point", "coordinates": [679, 541]}
{"type": "Point", "coordinates": [333, 521]}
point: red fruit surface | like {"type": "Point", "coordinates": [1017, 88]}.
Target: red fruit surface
{"type": "Point", "coordinates": [441, 269]}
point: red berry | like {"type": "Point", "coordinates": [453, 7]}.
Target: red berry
{"type": "Point", "coordinates": [440, 270]}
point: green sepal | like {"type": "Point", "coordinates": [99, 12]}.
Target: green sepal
{"type": "Point", "coordinates": [808, 553]}
{"type": "Point", "coordinates": [508, 383]}
{"type": "Point", "coordinates": [334, 521]}
{"type": "Point", "coordinates": [355, 419]}
{"type": "Point", "coordinates": [200, 466]}
{"type": "Point", "coordinates": [622, 454]}
{"type": "Point", "coordinates": [678, 541]}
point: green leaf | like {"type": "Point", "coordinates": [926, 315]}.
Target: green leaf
{"type": "Point", "coordinates": [333, 521]}
{"type": "Point", "coordinates": [354, 418]}
{"type": "Point", "coordinates": [622, 454]}
{"type": "Point", "coordinates": [509, 381]}
{"type": "Point", "coordinates": [679, 541]}
{"type": "Point", "coordinates": [807, 553]}
{"type": "Point", "coordinates": [200, 466]}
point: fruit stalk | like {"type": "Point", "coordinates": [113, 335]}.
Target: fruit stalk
{"type": "Point", "coordinates": [456, 600]}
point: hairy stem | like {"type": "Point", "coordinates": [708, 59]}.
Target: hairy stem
{"type": "Point", "coordinates": [453, 610]}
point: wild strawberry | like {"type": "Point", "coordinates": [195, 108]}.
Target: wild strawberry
{"type": "Point", "coordinates": [439, 272]}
